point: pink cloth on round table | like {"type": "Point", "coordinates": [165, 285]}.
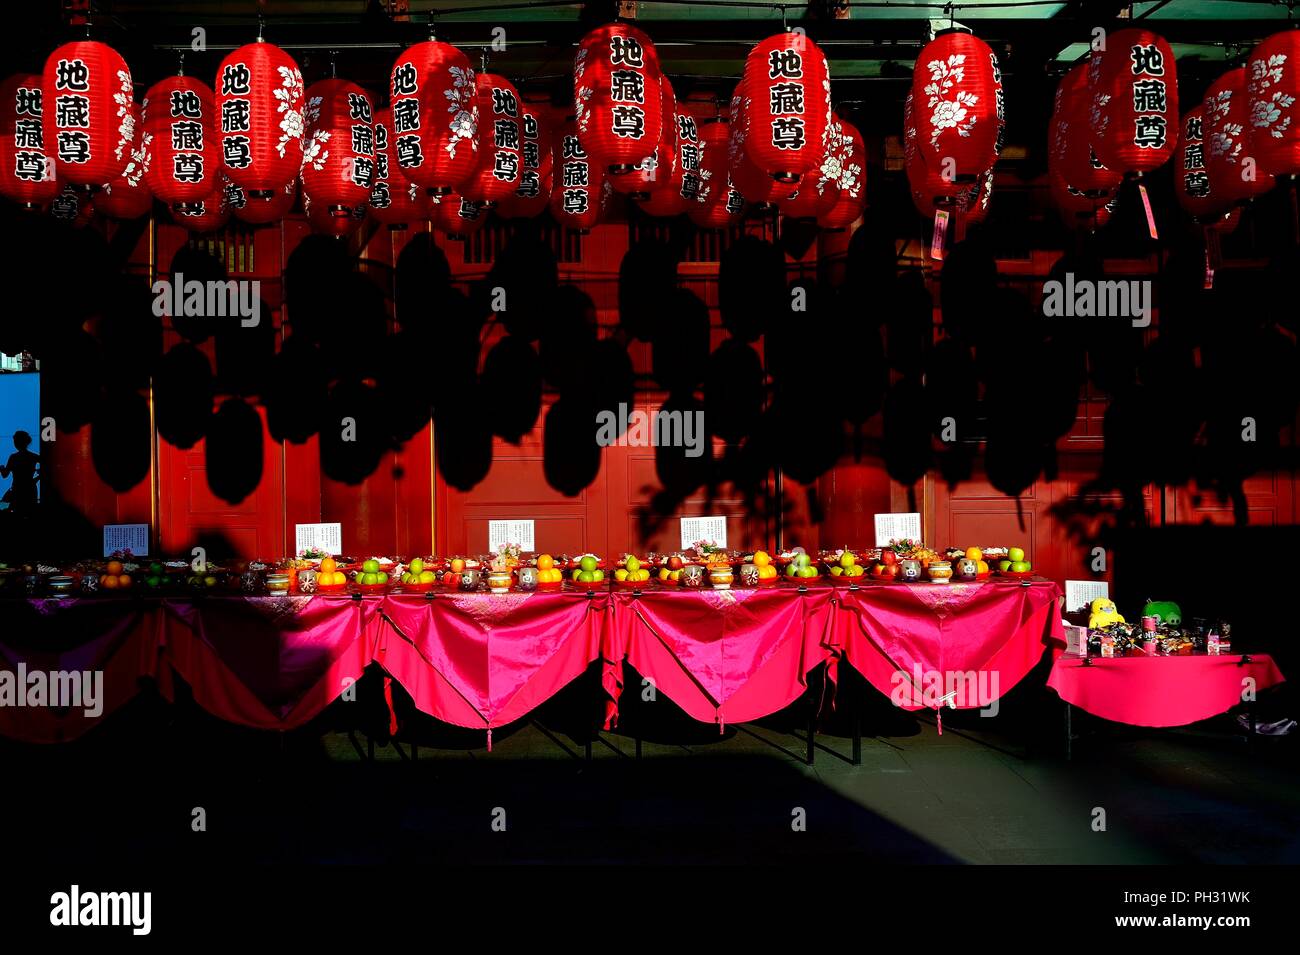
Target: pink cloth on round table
{"type": "Point", "coordinates": [998, 629]}
{"type": "Point", "coordinates": [482, 660]}
{"type": "Point", "coordinates": [724, 656]}
{"type": "Point", "coordinates": [1159, 690]}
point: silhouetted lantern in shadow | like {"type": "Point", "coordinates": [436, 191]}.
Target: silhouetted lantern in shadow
{"type": "Point", "coordinates": [1229, 161]}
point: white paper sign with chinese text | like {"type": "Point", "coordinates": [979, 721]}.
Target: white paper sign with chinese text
{"type": "Point", "coordinates": [1079, 594]}
{"type": "Point", "coordinates": [132, 537]}
{"type": "Point", "coordinates": [897, 527]}
{"type": "Point", "coordinates": [326, 538]}
{"type": "Point", "coordinates": [501, 533]}
{"type": "Point", "coordinates": [696, 529]}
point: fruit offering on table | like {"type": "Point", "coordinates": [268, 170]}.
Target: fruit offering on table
{"type": "Point", "coordinates": [767, 571]}
{"type": "Point", "coordinates": [1014, 562]}
{"type": "Point", "coordinates": [155, 575]}
{"type": "Point", "coordinates": [939, 571]}
{"type": "Point", "coordinates": [115, 576]}
{"type": "Point", "coordinates": [977, 554]}
{"type": "Point", "coordinates": [672, 569]}
{"type": "Point", "coordinates": [845, 564]}
{"type": "Point", "coordinates": [330, 577]}
{"type": "Point", "coordinates": [547, 573]}
{"type": "Point", "coordinates": [906, 549]}
{"type": "Point", "coordinates": [418, 575]}
{"type": "Point", "coordinates": [631, 572]}
{"type": "Point", "coordinates": [801, 567]}
{"type": "Point", "coordinates": [588, 570]}
{"type": "Point", "coordinates": [204, 576]}
{"type": "Point", "coordinates": [370, 575]}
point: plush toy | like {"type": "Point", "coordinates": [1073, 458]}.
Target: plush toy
{"type": "Point", "coordinates": [1103, 614]}
{"type": "Point", "coordinates": [1168, 612]}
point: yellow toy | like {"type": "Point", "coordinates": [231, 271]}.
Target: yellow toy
{"type": "Point", "coordinates": [1103, 614]}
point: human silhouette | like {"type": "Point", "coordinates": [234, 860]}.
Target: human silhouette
{"type": "Point", "coordinates": [23, 465]}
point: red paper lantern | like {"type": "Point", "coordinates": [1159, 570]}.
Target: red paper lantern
{"type": "Point", "coordinates": [1076, 159]}
{"type": "Point", "coordinates": [338, 160]}
{"type": "Point", "coordinates": [180, 117]}
{"type": "Point", "coordinates": [1273, 93]}
{"type": "Point", "coordinates": [1192, 183]}
{"type": "Point", "coordinates": [1133, 90]}
{"type": "Point", "coordinates": [435, 117]}
{"type": "Point", "coordinates": [576, 199]}
{"type": "Point", "coordinates": [1079, 210]}
{"type": "Point", "coordinates": [819, 190]}
{"type": "Point", "coordinates": [657, 169]}
{"type": "Point", "coordinates": [848, 180]}
{"type": "Point", "coordinates": [26, 164]}
{"type": "Point", "coordinates": [89, 123]}
{"type": "Point", "coordinates": [1232, 169]}
{"type": "Point", "coordinates": [326, 219]}
{"type": "Point", "coordinates": [500, 141]}
{"type": "Point", "coordinates": [458, 216]}
{"type": "Point", "coordinates": [259, 105]}
{"type": "Point", "coordinates": [720, 203]}
{"type": "Point", "coordinates": [758, 188]}
{"type": "Point", "coordinates": [787, 84]}
{"type": "Point", "coordinates": [207, 215]}
{"type": "Point", "coordinates": [675, 193]}
{"type": "Point", "coordinates": [930, 191]}
{"type": "Point", "coordinates": [617, 97]}
{"type": "Point", "coordinates": [956, 102]}
{"type": "Point", "coordinates": [394, 200]}
{"type": "Point", "coordinates": [72, 207]}
{"type": "Point", "coordinates": [261, 211]}
{"type": "Point", "coordinates": [536, 180]}
{"type": "Point", "coordinates": [127, 196]}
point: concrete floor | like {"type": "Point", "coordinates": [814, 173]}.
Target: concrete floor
{"type": "Point", "coordinates": [980, 793]}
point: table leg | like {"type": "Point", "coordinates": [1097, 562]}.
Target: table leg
{"type": "Point", "coordinates": [1069, 732]}
{"type": "Point", "coordinates": [812, 735]}
{"type": "Point", "coordinates": [857, 734]}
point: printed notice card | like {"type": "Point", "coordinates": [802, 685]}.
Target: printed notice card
{"type": "Point", "coordinates": [132, 537]}
{"type": "Point", "coordinates": [704, 529]}
{"type": "Point", "coordinates": [501, 533]}
{"type": "Point", "coordinates": [895, 527]}
{"type": "Point", "coordinates": [326, 538]}
{"type": "Point", "coordinates": [1079, 594]}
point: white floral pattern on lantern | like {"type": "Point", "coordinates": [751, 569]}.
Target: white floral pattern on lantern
{"type": "Point", "coordinates": [1224, 139]}
{"type": "Point", "coordinates": [312, 153]}
{"type": "Point", "coordinates": [462, 103]}
{"type": "Point", "coordinates": [139, 162]}
{"type": "Point", "coordinates": [124, 98]}
{"type": "Point", "coordinates": [945, 113]}
{"type": "Point", "coordinates": [290, 95]}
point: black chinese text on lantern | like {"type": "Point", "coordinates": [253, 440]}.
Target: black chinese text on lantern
{"type": "Point", "coordinates": [434, 133]}
{"type": "Point", "coordinates": [500, 145]}
{"type": "Point", "coordinates": [180, 116]}
{"type": "Point", "coordinates": [1133, 89]}
{"type": "Point", "coordinates": [87, 95]}
{"type": "Point", "coordinates": [395, 201]}
{"type": "Point", "coordinates": [259, 99]}
{"type": "Point", "coordinates": [28, 174]}
{"type": "Point", "coordinates": [576, 197]}
{"type": "Point", "coordinates": [616, 96]}
{"type": "Point", "coordinates": [338, 162]}
{"type": "Point", "coordinates": [787, 83]}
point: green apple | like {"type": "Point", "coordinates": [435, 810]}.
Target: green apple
{"type": "Point", "coordinates": [792, 570]}
{"type": "Point", "coordinates": [1015, 554]}
{"type": "Point", "coordinates": [1020, 567]}
{"type": "Point", "coordinates": [153, 581]}
{"type": "Point", "coordinates": [209, 581]}
{"type": "Point", "coordinates": [577, 573]}
{"type": "Point", "coordinates": [597, 575]}
{"type": "Point", "coordinates": [807, 572]}
{"type": "Point", "coordinates": [837, 571]}
{"type": "Point", "coordinates": [1004, 565]}
{"type": "Point", "coordinates": [427, 577]}
{"type": "Point", "coordinates": [621, 574]}
{"type": "Point", "coordinates": [800, 560]}
{"type": "Point", "coordinates": [416, 567]}
{"type": "Point", "coordinates": [370, 567]}
{"type": "Point", "coordinates": [588, 563]}
{"type": "Point", "coordinates": [381, 578]}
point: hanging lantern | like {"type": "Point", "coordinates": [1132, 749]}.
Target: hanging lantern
{"type": "Point", "coordinates": [1192, 184]}
{"type": "Point", "coordinates": [847, 179]}
{"type": "Point", "coordinates": [1078, 207]}
{"type": "Point", "coordinates": [819, 190]}
{"type": "Point", "coordinates": [1272, 90]}
{"type": "Point", "coordinates": [1079, 210]}
{"type": "Point", "coordinates": [617, 97]}
{"type": "Point", "coordinates": [1231, 167]}
{"type": "Point", "coordinates": [435, 117]}
{"type": "Point", "coordinates": [259, 104]}
{"type": "Point", "coordinates": [658, 167]}
{"type": "Point", "coordinates": [720, 203]}
{"type": "Point", "coordinates": [261, 212]}
{"type": "Point", "coordinates": [758, 188]}
{"type": "Point", "coordinates": [72, 207]}
{"type": "Point", "coordinates": [89, 123]}
{"type": "Point", "coordinates": [325, 219]}
{"type": "Point", "coordinates": [1133, 92]}
{"type": "Point", "coordinates": [675, 193]}
{"type": "Point", "coordinates": [930, 191]}
{"type": "Point", "coordinates": [27, 176]}
{"type": "Point", "coordinates": [1077, 160]}
{"type": "Point", "coordinates": [180, 116]}
{"type": "Point", "coordinates": [500, 139]}
{"type": "Point", "coordinates": [576, 198]}
{"type": "Point", "coordinates": [457, 216]}
{"type": "Point", "coordinates": [127, 196]}
{"type": "Point", "coordinates": [394, 201]}
{"type": "Point", "coordinates": [338, 161]}
{"type": "Point", "coordinates": [787, 83]}
{"type": "Point", "coordinates": [537, 177]}
{"type": "Point", "coordinates": [956, 96]}
{"type": "Point", "coordinates": [207, 215]}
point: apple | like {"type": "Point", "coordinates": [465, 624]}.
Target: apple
{"type": "Point", "coordinates": [675, 563]}
{"type": "Point", "coordinates": [888, 557]}
{"type": "Point", "coordinates": [416, 567]}
{"type": "Point", "coordinates": [370, 567]}
{"type": "Point", "coordinates": [577, 573]}
{"type": "Point", "coordinates": [427, 577]}
{"type": "Point", "coordinates": [1015, 553]}
{"type": "Point", "coordinates": [807, 571]}
{"type": "Point", "coordinates": [878, 570]}
{"type": "Point", "coordinates": [801, 560]}
{"type": "Point", "coordinates": [792, 570]}
{"type": "Point", "coordinates": [381, 578]}
{"type": "Point", "coordinates": [588, 563]}
{"type": "Point", "coordinates": [1020, 567]}
{"type": "Point", "coordinates": [1004, 565]}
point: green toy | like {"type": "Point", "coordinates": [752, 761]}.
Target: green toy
{"type": "Point", "coordinates": [1168, 611]}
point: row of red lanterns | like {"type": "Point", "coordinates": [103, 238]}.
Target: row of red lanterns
{"type": "Point", "coordinates": [239, 148]}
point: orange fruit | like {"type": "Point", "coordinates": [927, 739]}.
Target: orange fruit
{"type": "Point", "coordinates": [124, 580]}
{"type": "Point", "coordinates": [761, 558]}
{"type": "Point", "coordinates": [109, 581]}
{"type": "Point", "coordinates": [982, 567]}
{"type": "Point", "coordinates": [114, 568]}
{"type": "Point", "coordinates": [328, 565]}
{"type": "Point", "coordinates": [974, 553]}
{"type": "Point", "coordinates": [457, 566]}
{"type": "Point", "coordinates": [545, 562]}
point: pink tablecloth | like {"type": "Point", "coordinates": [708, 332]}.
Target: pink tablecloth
{"type": "Point", "coordinates": [1159, 690]}
{"type": "Point", "coordinates": [484, 660]}
{"type": "Point", "coordinates": [724, 656]}
{"type": "Point", "coordinates": [924, 645]}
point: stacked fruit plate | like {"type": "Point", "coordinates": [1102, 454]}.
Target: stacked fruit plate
{"type": "Point", "coordinates": [631, 572]}
{"type": "Point", "coordinates": [886, 569]}
{"type": "Point", "coordinates": [1014, 565]}
{"type": "Point", "coordinates": [844, 567]}
{"type": "Point", "coordinates": [372, 578]}
{"type": "Point", "coordinates": [549, 574]}
{"type": "Point", "coordinates": [672, 568]}
{"type": "Point", "coordinates": [419, 575]}
{"type": "Point", "coordinates": [330, 579]}
{"type": "Point", "coordinates": [587, 571]}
